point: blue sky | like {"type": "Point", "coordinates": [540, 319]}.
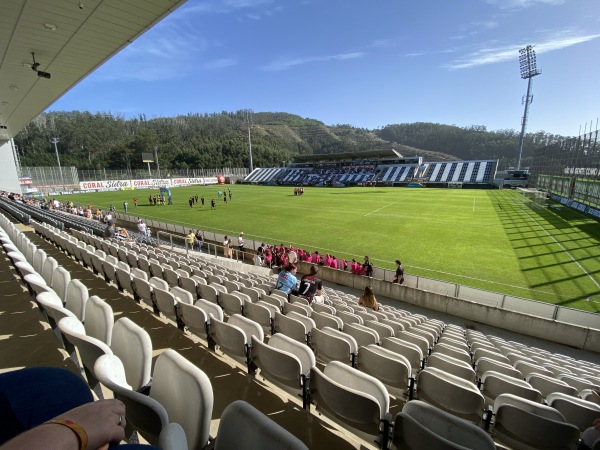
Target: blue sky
{"type": "Point", "coordinates": [367, 64]}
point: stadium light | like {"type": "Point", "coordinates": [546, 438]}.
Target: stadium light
{"type": "Point", "coordinates": [528, 66]}
{"type": "Point", "coordinates": [249, 123]}
{"type": "Point", "coordinates": [55, 140]}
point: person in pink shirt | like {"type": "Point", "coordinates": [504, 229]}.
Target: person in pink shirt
{"type": "Point", "coordinates": [333, 263]}
{"type": "Point", "coordinates": [317, 258]}
{"type": "Point", "coordinates": [309, 258]}
{"type": "Point", "coordinates": [354, 268]}
{"type": "Point", "coordinates": [327, 259]}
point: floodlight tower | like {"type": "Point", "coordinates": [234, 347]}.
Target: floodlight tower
{"type": "Point", "coordinates": [249, 123]}
{"type": "Point", "coordinates": [55, 140]}
{"type": "Point", "coordinates": [528, 71]}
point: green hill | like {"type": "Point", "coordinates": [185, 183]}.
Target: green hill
{"type": "Point", "coordinates": [103, 140]}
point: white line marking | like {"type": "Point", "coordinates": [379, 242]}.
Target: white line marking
{"type": "Point", "coordinates": [563, 249]}
{"type": "Point", "coordinates": [390, 204]}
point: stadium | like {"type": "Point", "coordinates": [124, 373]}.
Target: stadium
{"type": "Point", "coordinates": [201, 350]}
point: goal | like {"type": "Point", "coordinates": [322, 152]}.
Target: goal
{"type": "Point", "coordinates": [455, 185]}
{"type": "Point", "coordinates": [532, 198]}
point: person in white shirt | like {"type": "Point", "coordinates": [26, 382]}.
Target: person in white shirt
{"type": "Point", "coordinates": [241, 242]}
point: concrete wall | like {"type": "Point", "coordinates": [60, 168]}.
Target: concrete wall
{"type": "Point", "coordinates": [9, 181]}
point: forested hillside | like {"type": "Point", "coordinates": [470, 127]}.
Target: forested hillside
{"type": "Point", "coordinates": [102, 140]}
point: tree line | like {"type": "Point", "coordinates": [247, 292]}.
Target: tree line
{"type": "Point", "coordinates": [103, 140]}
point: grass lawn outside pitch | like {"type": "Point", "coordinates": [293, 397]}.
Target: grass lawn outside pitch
{"type": "Point", "coordinates": [481, 238]}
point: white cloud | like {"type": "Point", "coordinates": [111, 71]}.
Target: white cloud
{"type": "Point", "coordinates": [521, 4]}
{"type": "Point", "coordinates": [228, 6]}
{"type": "Point", "coordinates": [496, 54]}
{"type": "Point", "coordinates": [284, 64]}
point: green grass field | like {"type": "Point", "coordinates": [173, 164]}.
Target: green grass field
{"type": "Point", "coordinates": [480, 238]}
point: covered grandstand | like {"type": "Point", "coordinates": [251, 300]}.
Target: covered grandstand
{"type": "Point", "coordinates": [376, 167]}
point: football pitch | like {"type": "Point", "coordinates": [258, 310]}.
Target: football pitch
{"type": "Point", "coordinates": [485, 239]}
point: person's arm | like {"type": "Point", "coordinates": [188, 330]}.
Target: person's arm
{"type": "Point", "coordinates": [99, 422]}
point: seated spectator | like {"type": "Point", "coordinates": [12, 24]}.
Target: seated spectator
{"type": "Point", "coordinates": [355, 267]}
{"type": "Point", "coordinates": [368, 299]}
{"type": "Point", "coordinates": [333, 263]}
{"type": "Point", "coordinates": [311, 287]}
{"type": "Point", "coordinates": [109, 231]}
{"type": "Point", "coordinates": [57, 411]}
{"type": "Point", "coordinates": [590, 438]}
{"type": "Point", "coordinates": [122, 234]}
{"type": "Point", "coordinates": [287, 281]}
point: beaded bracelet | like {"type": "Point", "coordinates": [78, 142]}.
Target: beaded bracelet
{"type": "Point", "coordinates": [79, 432]}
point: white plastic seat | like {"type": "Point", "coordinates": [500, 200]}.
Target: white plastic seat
{"type": "Point", "coordinates": [53, 307]}
{"type": "Point", "coordinates": [363, 335]}
{"type": "Point", "coordinates": [454, 352]}
{"type": "Point", "coordinates": [97, 260]}
{"type": "Point", "coordinates": [291, 327]}
{"type": "Point", "coordinates": [451, 365]}
{"type": "Point", "coordinates": [324, 319]}
{"type": "Point", "coordinates": [525, 367]}
{"type": "Point", "coordinates": [547, 385]}
{"type": "Point", "coordinates": [99, 319]}
{"type": "Point", "coordinates": [76, 296]}
{"type": "Point", "coordinates": [578, 383]}
{"type": "Point", "coordinates": [577, 411]}
{"type": "Point", "coordinates": [394, 324]}
{"type": "Point", "coordinates": [235, 336]}
{"type": "Point", "coordinates": [48, 271]}
{"type": "Point", "coordinates": [285, 362]}
{"type": "Point", "coordinates": [132, 344]}
{"type": "Point", "coordinates": [382, 329]}
{"type": "Point", "coordinates": [484, 364]}
{"type": "Point", "coordinates": [423, 426]}
{"type": "Point", "coordinates": [142, 290]}
{"type": "Point", "coordinates": [263, 314]}
{"type": "Point", "coordinates": [60, 280]}
{"type": "Point", "coordinates": [525, 425]}
{"type": "Point", "coordinates": [356, 399]}
{"type": "Point", "coordinates": [392, 369]}
{"type": "Point", "coordinates": [88, 348]}
{"type": "Point", "coordinates": [195, 319]}
{"type": "Point", "coordinates": [243, 427]}
{"type": "Point", "coordinates": [496, 383]}
{"type": "Point", "coordinates": [298, 308]}
{"type": "Point", "coordinates": [420, 341]}
{"type": "Point", "coordinates": [450, 393]}
{"type": "Point", "coordinates": [208, 293]}
{"type": "Point", "coordinates": [190, 285]}
{"type": "Point", "coordinates": [165, 302]}
{"type": "Point", "coordinates": [181, 393]}
{"type": "Point", "coordinates": [331, 344]}
{"type": "Point", "coordinates": [410, 351]}
{"type": "Point", "coordinates": [322, 308]}
{"type": "Point", "coordinates": [108, 268]}
{"type": "Point", "coordinates": [348, 317]}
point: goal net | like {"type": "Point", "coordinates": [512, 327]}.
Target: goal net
{"type": "Point", "coordinates": [532, 198]}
